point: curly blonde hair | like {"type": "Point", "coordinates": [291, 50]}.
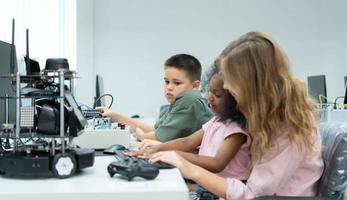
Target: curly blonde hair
{"type": "Point", "coordinates": [269, 96]}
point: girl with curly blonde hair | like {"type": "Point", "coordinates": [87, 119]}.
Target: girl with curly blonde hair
{"type": "Point", "coordinates": [285, 149]}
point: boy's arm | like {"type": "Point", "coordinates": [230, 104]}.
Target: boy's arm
{"type": "Point", "coordinates": [133, 123]}
{"type": "Point", "coordinates": [226, 152]}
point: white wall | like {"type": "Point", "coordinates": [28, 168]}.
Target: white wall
{"type": "Point", "coordinates": [127, 42]}
{"type": "Point", "coordinates": [85, 85]}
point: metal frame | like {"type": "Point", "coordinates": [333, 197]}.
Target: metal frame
{"type": "Point", "coordinates": [61, 75]}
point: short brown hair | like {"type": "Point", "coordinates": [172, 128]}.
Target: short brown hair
{"type": "Point", "coordinates": [187, 63]}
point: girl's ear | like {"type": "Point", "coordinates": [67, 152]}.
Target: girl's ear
{"type": "Point", "coordinates": [196, 84]}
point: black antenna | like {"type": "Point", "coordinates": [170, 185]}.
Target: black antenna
{"type": "Point", "coordinates": [32, 66]}
{"type": "Point", "coordinates": [12, 57]}
{"type": "Point", "coordinates": [27, 59]}
{"type": "Point", "coordinates": [97, 101]}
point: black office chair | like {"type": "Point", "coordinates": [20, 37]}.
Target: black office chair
{"type": "Point", "coordinates": [333, 183]}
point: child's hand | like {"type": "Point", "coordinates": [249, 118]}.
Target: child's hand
{"type": "Point", "coordinates": [172, 158]}
{"type": "Point", "coordinates": [133, 153]}
{"type": "Point", "coordinates": [144, 153]}
{"type": "Point", "coordinates": [104, 111]}
{"type": "Point", "coordinates": [139, 134]}
{"type": "Point", "coordinates": [148, 143]}
{"type": "Point", "coordinates": [146, 149]}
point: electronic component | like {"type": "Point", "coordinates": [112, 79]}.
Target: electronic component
{"type": "Point", "coordinates": [27, 114]}
{"type": "Point", "coordinates": [91, 113]}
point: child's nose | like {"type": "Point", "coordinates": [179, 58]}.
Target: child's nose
{"type": "Point", "coordinates": [210, 98]}
{"type": "Point", "coordinates": [169, 86]}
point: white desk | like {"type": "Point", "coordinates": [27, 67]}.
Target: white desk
{"type": "Point", "coordinates": [95, 184]}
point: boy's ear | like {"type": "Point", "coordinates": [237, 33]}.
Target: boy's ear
{"type": "Point", "coordinates": [196, 84]}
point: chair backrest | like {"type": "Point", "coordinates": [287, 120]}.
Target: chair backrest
{"type": "Point", "coordinates": [334, 152]}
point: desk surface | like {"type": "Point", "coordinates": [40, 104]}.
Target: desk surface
{"type": "Point", "coordinates": [95, 183]}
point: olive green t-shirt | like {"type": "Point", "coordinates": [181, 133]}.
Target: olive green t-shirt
{"type": "Point", "coordinates": [185, 116]}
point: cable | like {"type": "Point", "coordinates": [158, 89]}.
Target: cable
{"type": "Point", "coordinates": [98, 99]}
{"type": "Point", "coordinates": [84, 105]}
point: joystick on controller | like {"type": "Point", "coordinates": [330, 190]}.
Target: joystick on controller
{"type": "Point", "coordinates": [130, 171]}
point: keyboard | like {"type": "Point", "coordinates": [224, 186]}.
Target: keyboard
{"type": "Point", "coordinates": [129, 160]}
{"type": "Point", "coordinates": [91, 113]}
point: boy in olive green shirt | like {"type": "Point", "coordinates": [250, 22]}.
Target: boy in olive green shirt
{"type": "Point", "coordinates": [188, 110]}
{"type": "Point", "coordinates": [185, 116]}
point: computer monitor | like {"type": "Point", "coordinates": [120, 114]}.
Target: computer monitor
{"type": "Point", "coordinates": [32, 66]}
{"type": "Point", "coordinates": [99, 91]}
{"type": "Point", "coordinates": [76, 110]}
{"type": "Point", "coordinates": [8, 65]}
{"type": "Point", "coordinates": [317, 88]}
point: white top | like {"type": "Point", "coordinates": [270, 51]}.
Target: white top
{"type": "Point", "coordinates": [95, 183]}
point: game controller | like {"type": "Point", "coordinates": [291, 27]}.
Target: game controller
{"type": "Point", "coordinates": [132, 170]}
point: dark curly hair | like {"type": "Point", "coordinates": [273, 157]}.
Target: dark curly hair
{"type": "Point", "coordinates": [231, 109]}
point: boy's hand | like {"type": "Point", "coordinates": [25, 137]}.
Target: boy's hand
{"type": "Point", "coordinates": [139, 134]}
{"type": "Point", "coordinates": [144, 153]}
{"type": "Point", "coordinates": [104, 111]}
{"type": "Point", "coordinates": [148, 143]}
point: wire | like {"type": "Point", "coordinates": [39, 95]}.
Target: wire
{"type": "Point", "coordinates": [84, 105]}
{"type": "Point", "coordinates": [98, 99]}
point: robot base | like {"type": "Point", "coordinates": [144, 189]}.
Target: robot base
{"type": "Point", "coordinates": [40, 163]}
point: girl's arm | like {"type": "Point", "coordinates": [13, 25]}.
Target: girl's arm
{"type": "Point", "coordinates": [225, 153]}
{"type": "Point", "coordinates": [215, 184]}
{"type": "Point", "coordinates": [133, 123]}
{"type": "Point", "coordinates": [188, 143]}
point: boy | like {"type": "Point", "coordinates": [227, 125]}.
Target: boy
{"type": "Point", "coordinates": [188, 109]}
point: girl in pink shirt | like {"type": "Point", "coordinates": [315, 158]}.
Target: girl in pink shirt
{"type": "Point", "coordinates": [224, 145]}
{"type": "Point", "coordinates": [285, 151]}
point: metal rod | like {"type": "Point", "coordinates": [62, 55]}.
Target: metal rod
{"type": "Point", "coordinates": [72, 85]}
{"type": "Point", "coordinates": [17, 111]}
{"type": "Point", "coordinates": [62, 131]}
{"type": "Point", "coordinates": [53, 147]}
{"type": "Point", "coordinates": [6, 108]}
